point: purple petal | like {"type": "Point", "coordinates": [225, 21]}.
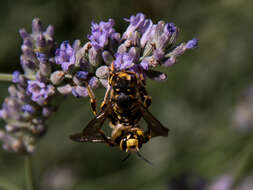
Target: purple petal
{"type": "Point", "coordinates": [193, 43]}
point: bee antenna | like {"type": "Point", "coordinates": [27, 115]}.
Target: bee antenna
{"type": "Point", "coordinates": [141, 157]}
{"type": "Point", "coordinates": [128, 155]}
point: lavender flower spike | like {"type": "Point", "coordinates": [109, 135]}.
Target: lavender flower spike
{"type": "Point", "coordinates": [50, 69]}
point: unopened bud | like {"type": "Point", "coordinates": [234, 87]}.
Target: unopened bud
{"type": "Point", "coordinates": [102, 72]}
{"type": "Point", "coordinates": [66, 89]}
{"type": "Point", "coordinates": [57, 77]}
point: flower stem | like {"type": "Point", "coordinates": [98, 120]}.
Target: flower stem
{"type": "Point", "coordinates": [8, 77]}
{"type": "Point", "coordinates": [5, 77]}
{"type": "Point", "coordinates": [29, 173]}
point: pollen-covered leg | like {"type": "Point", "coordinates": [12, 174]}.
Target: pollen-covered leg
{"type": "Point", "coordinates": [103, 104]}
{"type": "Point", "coordinates": [92, 99]}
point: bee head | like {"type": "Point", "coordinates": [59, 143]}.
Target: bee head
{"type": "Point", "coordinates": [132, 141]}
{"type": "Point", "coordinates": [123, 79]}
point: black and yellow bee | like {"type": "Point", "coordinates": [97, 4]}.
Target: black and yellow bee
{"type": "Point", "coordinates": [128, 103]}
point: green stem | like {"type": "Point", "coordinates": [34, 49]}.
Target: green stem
{"type": "Point", "coordinates": [29, 173]}
{"type": "Point", "coordinates": [4, 184]}
{"type": "Point", "coordinates": [5, 77]}
{"type": "Point", "coordinates": [8, 77]}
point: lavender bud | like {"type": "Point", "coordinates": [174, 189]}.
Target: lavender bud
{"type": "Point", "coordinates": [40, 41]}
{"type": "Point", "coordinates": [122, 48]}
{"type": "Point", "coordinates": [179, 50]}
{"type": "Point", "coordinates": [94, 57]}
{"type": "Point", "coordinates": [57, 77]}
{"type": "Point", "coordinates": [144, 64]}
{"type": "Point", "coordinates": [191, 44]}
{"type": "Point", "coordinates": [94, 82]}
{"type": "Point", "coordinates": [102, 72]}
{"type": "Point", "coordinates": [3, 114]}
{"type": "Point", "coordinates": [66, 89]}
{"type": "Point", "coordinates": [16, 76]}
{"type": "Point", "coordinates": [84, 65]}
{"type": "Point", "coordinates": [156, 75]}
{"type": "Point", "coordinates": [45, 69]}
{"type": "Point", "coordinates": [77, 81]}
{"type": "Point", "coordinates": [82, 75]}
{"type": "Point", "coordinates": [104, 82]}
{"type": "Point", "coordinates": [80, 91]}
{"type": "Point", "coordinates": [28, 66]}
{"type": "Point", "coordinates": [133, 39]}
{"type": "Point", "coordinates": [150, 61]}
{"type": "Point", "coordinates": [135, 53]}
{"type": "Point", "coordinates": [40, 77]}
{"type": "Point", "coordinates": [169, 62]}
{"type": "Point", "coordinates": [173, 37]}
{"type": "Point", "coordinates": [46, 111]}
{"type": "Point", "coordinates": [76, 45]}
{"type": "Point", "coordinates": [80, 57]}
{"type": "Point", "coordinates": [49, 32]}
{"type": "Point", "coordinates": [36, 26]}
{"type": "Point", "coordinates": [28, 52]}
{"type": "Point", "coordinates": [135, 23]}
{"type": "Point", "coordinates": [23, 33]}
{"type": "Point", "coordinates": [27, 42]}
{"type": "Point", "coordinates": [107, 57]}
{"type": "Point", "coordinates": [28, 108]}
{"type": "Point", "coordinates": [158, 32]}
{"type": "Point", "coordinates": [147, 30]}
{"type": "Point", "coordinates": [43, 58]}
{"type": "Point", "coordinates": [74, 92]}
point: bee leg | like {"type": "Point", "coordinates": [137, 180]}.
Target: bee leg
{"type": "Point", "coordinates": [147, 135]}
{"type": "Point", "coordinates": [103, 104]}
{"type": "Point", "coordinates": [92, 99]}
{"type": "Point", "coordinates": [146, 99]}
{"type": "Point", "coordinates": [108, 141]}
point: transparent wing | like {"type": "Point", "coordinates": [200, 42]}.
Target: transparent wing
{"type": "Point", "coordinates": [91, 132]}
{"type": "Point", "coordinates": [155, 128]}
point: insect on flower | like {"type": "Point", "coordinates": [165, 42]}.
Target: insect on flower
{"type": "Point", "coordinates": [127, 104]}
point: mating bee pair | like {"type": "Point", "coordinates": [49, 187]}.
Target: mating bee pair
{"type": "Point", "coordinates": [126, 101]}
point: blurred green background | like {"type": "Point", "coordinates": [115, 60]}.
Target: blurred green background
{"type": "Point", "coordinates": [198, 102]}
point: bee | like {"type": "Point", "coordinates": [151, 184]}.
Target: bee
{"type": "Point", "coordinates": [126, 101]}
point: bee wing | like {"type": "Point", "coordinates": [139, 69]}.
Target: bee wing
{"type": "Point", "coordinates": [91, 132]}
{"type": "Point", "coordinates": [155, 126]}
